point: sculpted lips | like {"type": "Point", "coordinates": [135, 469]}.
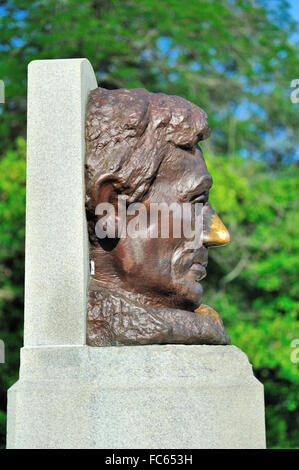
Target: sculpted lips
{"type": "Point", "coordinates": [195, 262]}
{"type": "Point", "coordinates": [199, 263]}
{"type": "Point", "coordinates": [199, 271]}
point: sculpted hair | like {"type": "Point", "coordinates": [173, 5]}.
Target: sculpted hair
{"type": "Point", "coordinates": [128, 134]}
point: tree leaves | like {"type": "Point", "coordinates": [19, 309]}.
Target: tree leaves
{"type": "Point", "coordinates": [225, 57]}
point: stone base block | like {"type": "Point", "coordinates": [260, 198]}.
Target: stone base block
{"type": "Point", "coordinates": [136, 397]}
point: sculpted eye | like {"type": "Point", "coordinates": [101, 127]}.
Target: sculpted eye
{"type": "Point", "coordinates": [187, 147]}
{"type": "Point", "coordinates": [201, 198]}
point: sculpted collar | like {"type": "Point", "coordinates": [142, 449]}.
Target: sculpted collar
{"type": "Point", "coordinates": [116, 319]}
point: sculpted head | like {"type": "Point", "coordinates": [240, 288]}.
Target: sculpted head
{"type": "Point", "coordinates": [143, 147]}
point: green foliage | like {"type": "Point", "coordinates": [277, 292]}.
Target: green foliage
{"type": "Point", "coordinates": [233, 58]}
{"type": "Point", "coordinates": [256, 279]}
{"type": "Point", "coordinates": [12, 231]}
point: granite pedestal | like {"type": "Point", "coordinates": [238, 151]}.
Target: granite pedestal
{"type": "Point", "coordinates": [168, 396]}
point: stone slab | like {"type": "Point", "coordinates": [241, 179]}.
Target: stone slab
{"type": "Point", "coordinates": [56, 263]}
{"type": "Point", "coordinates": [156, 396]}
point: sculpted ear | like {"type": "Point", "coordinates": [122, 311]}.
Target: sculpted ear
{"type": "Point", "coordinates": [108, 202]}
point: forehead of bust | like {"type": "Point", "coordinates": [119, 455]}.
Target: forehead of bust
{"type": "Point", "coordinates": [130, 133]}
{"type": "Point", "coordinates": [182, 175]}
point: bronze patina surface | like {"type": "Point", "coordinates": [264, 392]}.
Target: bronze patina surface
{"type": "Point", "coordinates": [144, 146]}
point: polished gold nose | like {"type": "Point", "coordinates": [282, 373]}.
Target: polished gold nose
{"type": "Point", "coordinates": [216, 234]}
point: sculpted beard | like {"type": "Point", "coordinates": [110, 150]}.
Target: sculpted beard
{"type": "Point", "coordinates": [187, 269]}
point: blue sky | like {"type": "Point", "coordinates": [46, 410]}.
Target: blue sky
{"type": "Point", "coordinates": [295, 8]}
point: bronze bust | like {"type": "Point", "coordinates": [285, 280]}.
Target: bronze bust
{"type": "Point", "coordinates": [143, 148]}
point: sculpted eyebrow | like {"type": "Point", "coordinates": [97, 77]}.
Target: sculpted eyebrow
{"type": "Point", "coordinates": [192, 143]}
{"type": "Point", "coordinates": [205, 183]}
